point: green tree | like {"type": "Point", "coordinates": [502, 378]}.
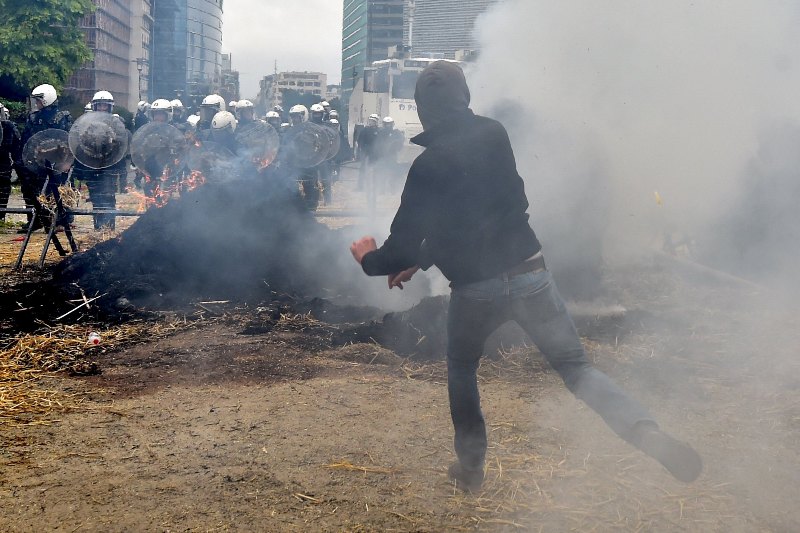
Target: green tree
{"type": "Point", "coordinates": [41, 42]}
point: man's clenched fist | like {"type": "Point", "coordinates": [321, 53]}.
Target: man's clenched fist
{"type": "Point", "coordinates": [362, 247]}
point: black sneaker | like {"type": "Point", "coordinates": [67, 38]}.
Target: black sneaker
{"type": "Point", "coordinates": [467, 480]}
{"type": "Point", "coordinates": [678, 457]}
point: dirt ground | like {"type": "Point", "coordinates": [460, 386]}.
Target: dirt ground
{"type": "Point", "coordinates": [215, 429]}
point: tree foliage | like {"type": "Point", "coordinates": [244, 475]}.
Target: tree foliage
{"type": "Point", "coordinates": [41, 41]}
{"type": "Point", "coordinates": [17, 111]}
{"type": "Point", "coordinates": [292, 97]}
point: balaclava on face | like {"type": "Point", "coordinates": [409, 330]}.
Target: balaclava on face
{"type": "Point", "coordinates": [441, 92]}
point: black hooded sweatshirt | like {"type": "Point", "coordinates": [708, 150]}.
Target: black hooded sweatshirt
{"type": "Point", "coordinates": [463, 196]}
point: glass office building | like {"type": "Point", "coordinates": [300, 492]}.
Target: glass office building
{"type": "Point", "coordinates": [369, 28]}
{"type": "Point", "coordinates": [187, 49]}
{"type": "Point", "coordinates": [441, 27]}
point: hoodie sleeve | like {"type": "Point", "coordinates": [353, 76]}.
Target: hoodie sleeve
{"type": "Point", "coordinates": [402, 248]}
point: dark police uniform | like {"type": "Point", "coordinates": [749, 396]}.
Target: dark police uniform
{"type": "Point", "coordinates": [10, 157]}
{"type": "Point", "coordinates": [31, 183]}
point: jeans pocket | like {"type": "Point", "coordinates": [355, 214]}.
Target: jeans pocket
{"type": "Point", "coordinates": [541, 305]}
{"type": "Point", "coordinates": [529, 284]}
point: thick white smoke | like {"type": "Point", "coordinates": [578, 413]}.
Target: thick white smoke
{"type": "Point", "coordinates": [620, 100]}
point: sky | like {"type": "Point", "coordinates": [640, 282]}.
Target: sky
{"type": "Point", "coordinates": [303, 35]}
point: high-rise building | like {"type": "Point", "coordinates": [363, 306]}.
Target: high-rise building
{"type": "Point", "coordinates": [108, 34]}
{"type": "Point", "coordinates": [141, 51]}
{"type": "Point", "coordinates": [369, 28]}
{"type": "Point", "coordinates": [187, 49]}
{"type": "Point", "coordinates": [439, 28]}
{"type": "Point", "coordinates": [229, 79]}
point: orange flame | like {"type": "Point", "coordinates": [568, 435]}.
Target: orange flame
{"type": "Point", "coordinates": [164, 188]}
{"type": "Point", "coordinates": [262, 163]}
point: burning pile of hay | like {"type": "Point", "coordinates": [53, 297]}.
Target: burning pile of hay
{"type": "Point", "coordinates": [222, 240]}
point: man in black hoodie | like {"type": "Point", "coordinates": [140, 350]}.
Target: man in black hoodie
{"type": "Point", "coordinates": [463, 209]}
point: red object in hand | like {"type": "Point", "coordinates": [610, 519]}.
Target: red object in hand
{"type": "Point", "coordinates": [18, 239]}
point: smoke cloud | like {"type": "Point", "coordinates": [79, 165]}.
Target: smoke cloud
{"type": "Point", "coordinates": [633, 121]}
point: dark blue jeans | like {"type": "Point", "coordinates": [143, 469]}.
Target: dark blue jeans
{"type": "Point", "coordinates": [532, 300]}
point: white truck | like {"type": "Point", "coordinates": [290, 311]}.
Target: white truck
{"type": "Point", "coordinates": [387, 89]}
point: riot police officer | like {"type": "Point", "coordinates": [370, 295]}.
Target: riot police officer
{"type": "Point", "coordinates": [308, 177]}
{"type": "Point", "coordinates": [141, 117]}
{"type": "Point", "coordinates": [326, 107]}
{"type": "Point", "coordinates": [366, 141]}
{"type": "Point", "coordinates": [223, 127]}
{"type": "Point", "coordinates": [210, 106]}
{"type": "Point", "coordinates": [317, 114]}
{"type": "Point", "coordinates": [160, 111]}
{"type": "Point", "coordinates": [178, 112]}
{"type": "Point", "coordinates": [45, 114]}
{"type": "Point", "coordinates": [273, 118]}
{"type": "Point", "coordinates": [324, 170]}
{"type": "Point", "coordinates": [388, 144]}
{"type": "Point", "coordinates": [102, 183]}
{"type": "Point", "coordinates": [10, 156]}
{"type": "Point", "coordinates": [246, 115]}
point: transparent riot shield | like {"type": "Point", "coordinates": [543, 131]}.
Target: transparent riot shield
{"type": "Point", "coordinates": [333, 139]}
{"type": "Point", "coordinates": [98, 140]}
{"type": "Point", "coordinates": [306, 145]}
{"type": "Point", "coordinates": [258, 143]}
{"type": "Point", "coordinates": [158, 148]}
{"type": "Point", "coordinates": [48, 150]}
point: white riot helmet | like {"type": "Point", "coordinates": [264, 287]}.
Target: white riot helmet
{"type": "Point", "coordinates": [160, 106]}
{"type": "Point", "coordinates": [334, 114]}
{"type": "Point", "coordinates": [374, 119]}
{"type": "Point", "coordinates": [177, 109]}
{"type": "Point", "coordinates": [325, 105]}
{"type": "Point", "coordinates": [214, 100]}
{"type": "Point", "coordinates": [142, 106]}
{"type": "Point", "coordinates": [87, 107]}
{"type": "Point", "coordinates": [388, 122]}
{"type": "Point", "coordinates": [222, 122]}
{"type": "Point", "coordinates": [193, 120]}
{"type": "Point", "coordinates": [232, 105]}
{"type": "Point", "coordinates": [273, 119]}
{"type": "Point", "coordinates": [317, 113]}
{"type": "Point", "coordinates": [211, 105]}
{"type": "Point", "coordinates": [243, 105]}
{"type": "Point", "coordinates": [45, 93]}
{"type": "Point", "coordinates": [298, 113]}
{"type": "Point", "coordinates": [334, 121]}
{"type": "Point", "coordinates": [278, 109]}
{"type": "Point", "coordinates": [103, 98]}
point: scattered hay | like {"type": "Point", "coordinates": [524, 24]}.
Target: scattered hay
{"type": "Point", "coordinates": [27, 358]}
{"type": "Point", "coordinates": [347, 465]}
{"type": "Point", "coordinates": [368, 354]}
